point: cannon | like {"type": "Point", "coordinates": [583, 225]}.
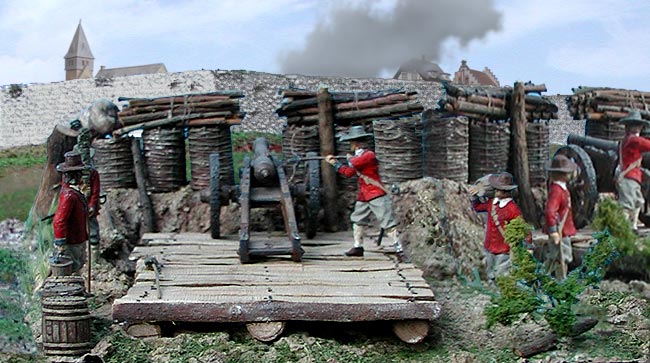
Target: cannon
{"type": "Point", "coordinates": [597, 160]}
{"type": "Point", "coordinates": [263, 184]}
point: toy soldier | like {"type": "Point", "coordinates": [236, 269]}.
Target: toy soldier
{"type": "Point", "coordinates": [558, 252]}
{"type": "Point", "coordinates": [501, 209]}
{"type": "Point", "coordinates": [372, 196]}
{"type": "Point", "coordinates": [628, 175]}
{"type": "Point", "coordinates": [71, 217]}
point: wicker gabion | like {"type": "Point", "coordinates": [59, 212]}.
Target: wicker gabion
{"type": "Point", "coordinates": [445, 143]}
{"type": "Point", "coordinates": [537, 140]}
{"type": "Point", "coordinates": [398, 145]}
{"type": "Point", "coordinates": [114, 162]}
{"type": "Point", "coordinates": [297, 141]}
{"type": "Point", "coordinates": [204, 141]}
{"type": "Point", "coordinates": [489, 148]}
{"type": "Point", "coordinates": [164, 155]}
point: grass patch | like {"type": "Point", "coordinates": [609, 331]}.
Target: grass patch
{"type": "Point", "coordinates": [21, 157]}
{"type": "Point", "coordinates": [17, 204]}
{"type": "Point", "coordinates": [240, 139]}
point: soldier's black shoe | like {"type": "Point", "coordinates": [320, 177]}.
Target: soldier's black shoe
{"type": "Point", "coordinates": [401, 257]}
{"type": "Point", "coordinates": [354, 252]}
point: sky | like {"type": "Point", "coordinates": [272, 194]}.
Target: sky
{"type": "Point", "coordinates": [561, 43]}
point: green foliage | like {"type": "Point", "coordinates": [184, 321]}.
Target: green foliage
{"type": "Point", "coordinates": [609, 215]}
{"type": "Point", "coordinates": [240, 139]}
{"type": "Point", "coordinates": [129, 350]}
{"type": "Point", "coordinates": [530, 289]}
{"type": "Point", "coordinates": [12, 265]}
{"type": "Point", "coordinates": [17, 204]}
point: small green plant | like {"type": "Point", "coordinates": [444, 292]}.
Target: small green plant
{"type": "Point", "coordinates": [609, 215]}
{"type": "Point", "coordinates": [530, 289]}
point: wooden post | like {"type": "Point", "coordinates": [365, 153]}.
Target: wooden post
{"type": "Point", "coordinates": [519, 154]}
{"type": "Point", "coordinates": [140, 178]}
{"type": "Point", "coordinates": [327, 146]}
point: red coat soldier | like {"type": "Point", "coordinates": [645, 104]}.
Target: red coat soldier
{"type": "Point", "coordinates": [372, 197]}
{"type": "Point", "coordinates": [558, 214]}
{"type": "Point", "coordinates": [71, 216]}
{"type": "Point", "coordinates": [501, 210]}
{"type": "Point", "coordinates": [629, 176]}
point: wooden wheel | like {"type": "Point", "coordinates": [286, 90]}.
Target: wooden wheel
{"type": "Point", "coordinates": [215, 200]}
{"type": "Point", "coordinates": [584, 188]}
{"type": "Point", "coordinates": [312, 183]}
{"type": "Point", "coordinates": [267, 331]}
{"type": "Point", "coordinates": [411, 331]}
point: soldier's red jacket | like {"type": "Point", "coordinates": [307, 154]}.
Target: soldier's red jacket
{"type": "Point", "coordinates": [366, 163]}
{"type": "Point", "coordinates": [556, 206]}
{"type": "Point", "coordinates": [71, 216]}
{"type": "Point", "coordinates": [506, 210]}
{"type": "Point", "coordinates": [93, 201]}
{"type": "Point", "coordinates": [632, 148]}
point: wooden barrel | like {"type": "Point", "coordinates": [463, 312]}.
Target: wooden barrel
{"type": "Point", "coordinates": [66, 326]}
{"type": "Point", "coordinates": [445, 142]}
{"type": "Point", "coordinates": [63, 286]}
{"type": "Point", "coordinates": [114, 162]}
{"type": "Point", "coordinates": [164, 155]}
{"type": "Point", "coordinates": [204, 141]}
{"type": "Point", "coordinates": [60, 265]}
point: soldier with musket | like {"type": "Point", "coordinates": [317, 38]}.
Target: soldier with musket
{"type": "Point", "coordinates": [628, 175]}
{"type": "Point", "coordinates": [71, 217]}
{"type": "Point", "coordinates": [372, 197]}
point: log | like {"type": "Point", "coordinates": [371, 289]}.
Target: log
{"type": "Point", "coordinates": [411, 331]}
{"type": "Point", "coordinates": [140, 178]}
{"type": "Point", "coordinates": [266, 331]}
{"type": "Point", "coordinates": [169, 121]}
{"type": "Point", "coordinates": [327, 147]}
{"type": "Point", "coordinates": [519, 155]}
{"type": "Point", "coordinates": [167, 99]}
{"type": "Point", "coordinates": [144, 330]}
{"type": "Point", "coordinates": [548, 341]}
{"type": "Point", "coordinates": [218, 105]}
{"type": "Point", "coordinates": [144, 117]}
{"type": "Point", "coordinates": [499, 113]}
{"type": "Point", "coordinates": [214, 121]}
{"type": "Point", "coordinates": [535, 88]}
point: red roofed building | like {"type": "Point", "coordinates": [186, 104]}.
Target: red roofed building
{"type": "Point", "coordinates": [472, 77]}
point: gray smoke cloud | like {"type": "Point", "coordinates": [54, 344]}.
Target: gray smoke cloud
{"type": "Point", "coordinates": [359, 42]}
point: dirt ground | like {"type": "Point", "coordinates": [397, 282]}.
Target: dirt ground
{"type": "Point", "coordinates": [442, 235]}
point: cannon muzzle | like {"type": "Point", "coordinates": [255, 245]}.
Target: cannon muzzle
{"type": "Point", "coordinates": [583, 141]}
{"type": "Point", "coordinates": [263, 167]}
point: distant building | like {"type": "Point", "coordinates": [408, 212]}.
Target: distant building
{"type": "Point", "coordinates": [472, 77]}
{"type": "Point", "coordinates": [130, 71]}
{"type": "Point", "coordinates": [421, 70]}
{"type": "Point", "coordinates": [79, 60]}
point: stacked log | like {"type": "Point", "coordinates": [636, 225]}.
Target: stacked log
{"type": "Point", "coordinates": [604, 107]}
{"type": "Point", "coordinates": [445, 142]}
{"type": "Point", "coordinates": [600, 103]}
{"type": "Point", "coordinates": [114, 162]}
{"type": "Point", "coordinates": [398, 145]}
{"type": "Point", "coordinates": [491, 103]}
{"type": "Point", "coordinates": [205, 109]}
{"type": "Point", "coordinates": [489, 148]}
{"type": "Point", "coordinates": [301, 107]}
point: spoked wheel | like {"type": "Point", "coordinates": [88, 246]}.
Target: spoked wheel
{"type": "Point", "coordinates": [583, 188]}
{"type": "Point", "coordinates": [312, 182]}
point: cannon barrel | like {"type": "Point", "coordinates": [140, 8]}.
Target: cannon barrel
{"type": "Point", "coordinates": [264, 170]}
{"type": "Point", "coordinates": [583, 141]}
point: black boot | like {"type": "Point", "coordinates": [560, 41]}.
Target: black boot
{"type": "Point", "coordinates": [355, 251]}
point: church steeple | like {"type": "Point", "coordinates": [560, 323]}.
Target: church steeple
{"type": "Point", "coordinates": [79, 61]}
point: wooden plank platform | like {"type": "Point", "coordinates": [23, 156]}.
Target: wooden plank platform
{"type": "Point", "coordinates": [202, 280]}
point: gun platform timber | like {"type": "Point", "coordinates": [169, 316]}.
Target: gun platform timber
{"type": "Point", "coordinates": [202, 280]}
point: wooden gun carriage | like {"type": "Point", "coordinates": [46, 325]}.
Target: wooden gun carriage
{"type": "Point", "coordinates": [597, 160]}
{"type": "Point", "coordinates": [263, 184]}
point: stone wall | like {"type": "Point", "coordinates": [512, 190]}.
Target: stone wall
{"type": "Point", "coordinates": [28, 113]}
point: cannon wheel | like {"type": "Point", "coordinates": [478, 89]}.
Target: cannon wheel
{"type": "Point", "coordinates": [584, 188]}
{"type": "Point", "coordinates": [215, 200]}
{"type": "Point", "coordinates": [312, 183]}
